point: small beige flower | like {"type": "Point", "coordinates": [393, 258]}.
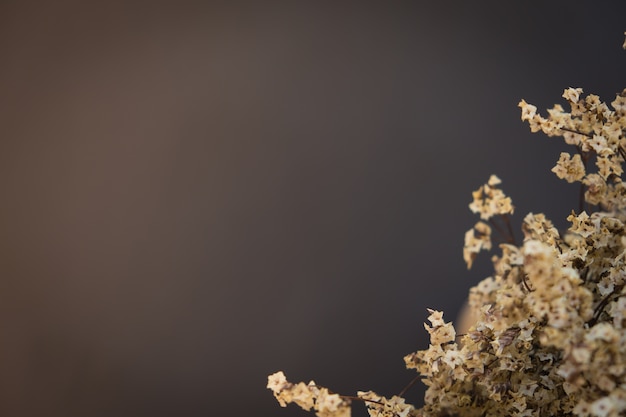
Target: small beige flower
{"type": "Point", "coordinates": [572, 94]}
{"type": "Point", "coordinates": [569, 168]}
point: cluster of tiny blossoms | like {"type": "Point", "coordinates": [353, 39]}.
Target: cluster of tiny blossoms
{"type": "Point", "coordinates": [550, 333]}
{"type": "Point", "coordinates": [549, 336]}
{"type": "Point", "coordinates": [308, 396]}
{"type": "Point", "coordinates": [595, 130]}
{"type": "Point", "coordinates": [489, 201]}
{"type": "Point", "coordinates": [326, 404]}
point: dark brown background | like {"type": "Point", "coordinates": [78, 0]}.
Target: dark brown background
{"type": "Point", "coordinates": [197, 195]}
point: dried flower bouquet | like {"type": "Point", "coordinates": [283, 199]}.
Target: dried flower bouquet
{"type": "Point", "coordinates": [549, 337]}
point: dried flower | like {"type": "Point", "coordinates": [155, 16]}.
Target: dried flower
{"type": "Point", "coordinates": [568, 168]}
{"type": "Point", "coordinates": [549, 336]}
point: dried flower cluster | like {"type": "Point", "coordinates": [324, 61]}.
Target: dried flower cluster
{"type": "Point", "coordinates": [326, 404]}
{"type": "Point", "coordinates": [308, 396]}
{"type": "Point", "coordinates": [550, 332]}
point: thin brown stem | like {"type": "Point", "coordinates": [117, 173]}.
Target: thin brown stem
{"type": "Point", "coordinates": [497, 227]}
{"type": "Point", "coordinates": [584, 156]}
{"type": "Point", "coordinates": [581, 198]}
{"type": "Point", "coordinates": [589, 135]}
{"type": "Point", "coordinates": [526, 283]}
{"type": "Point", "coordinates": [507, 222]}
{"type": "Point", "coordinates": [410, 384]}
{"type": "Point", "coordinates": [355, 398]}
{"type": "Point", "coordinates": [597, 312]}
{"type": "Point", "coordinates": [506, 235]}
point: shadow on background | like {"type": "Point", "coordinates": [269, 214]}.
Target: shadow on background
{"type": "Point", "coordinates": [197, 195]}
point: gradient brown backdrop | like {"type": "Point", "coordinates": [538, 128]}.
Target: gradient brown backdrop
{"type": "Point", "coordinates": [195, 195]}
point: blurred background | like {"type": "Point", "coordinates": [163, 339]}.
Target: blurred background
{"type": "Point", "coordinates": [198, 194]}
